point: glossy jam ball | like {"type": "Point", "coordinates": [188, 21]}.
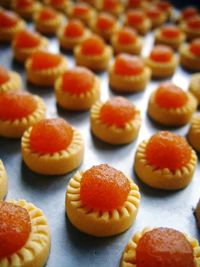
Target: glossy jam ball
{"type": "Point", "coordinates": [24, 3]}
{"type": "Point", "coordinates": [161, 53]}
{"type": "Point", "coordinates": [164, 247]}
{"type": "Point", "coordinates": [126, 36]}
{"type": "Point", "coordinates": [93, 46]}
{"type": "Point", "coordinates": [194, 23]}
{"type": "Point", "coordinates": [170, 31]}
{"type": "Point", "coordinates": [57, 3]}
{"type": "Point", "coordinates": [47, 13]}
{"type": "Point", "coordinates": [117, 111]}
{"type": "Point", "coordinates": [8, 19]}
{"type": "Point", "coordinates": [153, 12]}
{"type": "Point", "coordinates": [164, 5]}
{"type": "Point", "coordinates": [195, 47]}
{"type": "Point", "coordinates": [50, 136]}
{"type": "Point", "coordinates": [26, 39]}
{"type": "Point", "coordinates": [77, 81]}
{"type": "Point", "coordinates": [15, 228]}
{"type": "Point", "coordinates": [189, 12]}
{"type": "Point", "coordinates": [110, 4]}
{"type": "Point", "coordinates": [167, 150]}
{"type": "Point", "coordinates": [81, 9]}
{"type": "Point", "coordinates": [105, 21]}
{"type": "Point", "coordinates": [135, 17]}
{"type": "Point", "coordinates": [16, 105]}
{"type": "Point", "coordinates": [128, 65]}
{"type": "Point", "coordinates": [134, 3]}
{"type": "Point", "coordinates": [169, 96]}
{"type": "Point", "coordinates": [43, 60]}
{"type": "Point", "coordinates": [4, 75]}
{"type": "Point", "coordinates": [104, 188]}
{"type": "Point", "coordinates": [74, 29]}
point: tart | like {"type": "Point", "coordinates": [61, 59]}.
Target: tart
{"type": "Point", "coordinates": [194, 132]}
{"type": "Point", "coordinates": [72, 34]}
{"type": "Point", "coordinates": [60, 5]}
{"type": "Point", "coordinates": [164, 247]}
{"type": "Point", "coordinates": [9, 80]}
{"type": "Point", "coordinates": [114, 7]}
{"type": "Point", "coordinates": [81, 11]}
{"type": "Point", "coordinates": [104, 25]}
{"type": "Point", "coordinates": [77, 89]}
{"type": "Point", "coordinates": [102, 201]}
{"type": "Point", "coordinates": [27, 42]}
{"type": "Point", "coordinates": [25, 8]}
{"type": "Point", "coordinates": [61, 156]}
{"type": "Point", "coordinates": [156, 16]}
{"type": "Point", "coordinates": [43, 68]}
{"type": "Point", "coordinates": [165, 7]}
{"type": "Point", "coordinates": [48, 20]}
{"type": "Point", "coordinates": [18, 111]}
{"type": "Point", "coordinates": [138, 20]}
{"type": "Point", "coordinates": [10, 24]}
{"type": "Point", "coordinates": [165, 161]}
{"type": "Point", "coordinates": [162, 61]}
{"type": "Point", "coordinates": [136, 4]}
{"type": "Point", "coordinates": [187, 13]}
{"type": "Point", "coordinates": [170, 35]}
{"type": "Point", "coordinates": [3, 181]}
{"type": "Point", "coordinates": [191, 27]}
{"type": "Point", "coordinates": [169, 105]}
{"type": "Point", "coordinates": [190, 55]}
{"type": "Point", "coordinates": [24, 235]}
{"type": "Point", "coordinates": [128, 74]}
{"type": "Point", "coordinates": [194, 86]}
{"type": "Point", "coordinates": [93, 53]}
{"type": "Point", "coordinates": [117, 121]}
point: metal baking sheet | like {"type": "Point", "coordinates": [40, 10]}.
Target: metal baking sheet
{"type": "Point", "coordinates": [69, 247]}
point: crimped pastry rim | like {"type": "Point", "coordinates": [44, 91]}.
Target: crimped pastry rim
{"type": "Point", "coordinates": [14, 83]}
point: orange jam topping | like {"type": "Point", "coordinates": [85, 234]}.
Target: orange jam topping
{"type": "Point", "coordinates": [167, 150]}
{"type": "Point", "coordinates": [170, 31]}
{"type": "Point", "coordinates": [161, 53]}
{"type": "Point", "coordinates": [164, 5]}
{"type": "Point", "coordinates": [164, 247]}
{"type": "Point", "coordinates": [74, 28]}
{"type": "Point", "coordinates": [16, 105]}
{"type": "Point", "coordinates": [47, 13]}
{"type": "Point", "coordinates": [117, 111]}
{"type": "Point", "coordinates": [105, 21]}
{"type": "Point", "coordinates": [104, 188]}
{"type": "Point", "coordinates": [8, 19]}
{"type": "Point", "coordinates": [194, 23]}
{"type": "Point", "coordinates": [50, 136]}
{"type": "Point", "coordinates": [4, 75]}
{"type": "Point", "coordinates": [195, 47]}
{"type": "Point", "coordinates": [134, 3]}
{"type": "Point", "coordinates": [15, 228]}
{"type": "Point", "coordinates": [154, 12]}
{"type": "Point", "coordinates": [93, 46]}
{"type": "Point", "coordinates": [24, 3]}
{"type": "Point", "coordinates": [110, 4]}
{"type": "Point", "coordinates": [128, 65]}
{"type": "Point", "coordinates": [135, 17]}
{"type": "Point", "coordinates": [26, 39]}
{"type": "Point", "coordinates": [81, 9]}
{"type": "Point", "coordinates": [77, 81]}
{"type": "Point", "coordinates": [189, 12]}
{"type": "Point", "coordinates": [168, 95]}
{"type": "Point", "coordinates": [44, 60]}
{"type": "Point", "coordinates": [126, 36]}
{"type": "Point", "coordinates": [57, 3]}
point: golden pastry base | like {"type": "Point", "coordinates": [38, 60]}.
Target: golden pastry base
{"type": "Point", "coordinates": [62, 8]}
{"type": "Point", "coordinates": [156, 22]}
{"type": "Point", "coordinates": [190, 33]}
{"type": "Point", "coordinates": [3, 181]}
{"type": "Point", "coordinates": [14, 82]}
{"type": "Point", "coordinates": [26, 13]}
{"type": "Point", "coordinates": [172, 42]}
{"type": "Point", "coordinates": [142, 28]}
{"type": "Point", "coordinates": [194, 86]}
{"type": "Point", "coordinates": [194, 132]}
{"type": "Point", "coordinates": [188, 60]}
{"type": "Point", "coordinates": [86, 19]}
{"type": "Point", "coordinates": [100, 223]}
{"type": "Point", "coordinates": [134, 49]}
{"type": "Point", "coordinates": [7, 34]}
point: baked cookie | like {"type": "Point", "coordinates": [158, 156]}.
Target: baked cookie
{"type": "Point", "coordinates": [61, 156]}
{"type": "Point", "coordinates": [48, 21]}
{"type": "Point", "coordinates": [114, 7]}
{"type": "Point", "coordinates": [102, 201]}
{"type": "Point", "coordinates": [169, 105]}
{"type": "Point", "coordinates": [165, 7]}
{"type": "Point", "coordinates": [26, 8]}
{"type": "Point", "coordinates": [162, 61]}
{"type": "Point", "coordinates": [60, 5]}
{"type": "Point", "coordinates": [138, 20]}
{"type": "Point", "coordinates": [43, 68]}
{"type": "Point", "coordinates": [165, 161]}
{"type": "Point", "coordinates": [3, 181]}
{"type": "Point", "coordinates": [117, 121]}
{"type": "Point", "coordinates": [24, 233]}
{"type": "Point", "coordinates": [194, 86]}
{"type": "Point", "coordinates": [9, 80]}
{"type": "Point", "coordinates": [77, 89]}
{"type": "Point", "coordinates": [93, 53]}
{"type": "Point", "coordinates": [72, 34]}
{"type": "Point", "coordinates": [128, 74]}
{"type": "Point", "coordinates": [190, 55]}
{"type": "Point", "coordinates": [136, 4]}
{"type": "Point", "coordinates": [156, 16]}
{"type": "Point", "coordinates": [10, 24]}
{"type": "Point", "coordinates": [187, 13]}
{"type": "Point", "coordinates": [170, 35]}
{"type": "Point", "coordinates": [27, 42]}
{"type": "Point", "coordinates": [191, 27]}
{"type": "Point", "coordinates": [18, 111]}
{"type": "Point", "coordinates": [127, 41]}
{"type": "Point", "coordinates": [161, 247]}
{"type": "Point", "coordinates": [194, 132]}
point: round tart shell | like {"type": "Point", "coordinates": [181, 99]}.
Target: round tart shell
{"type": "Point", "coordinates": [7, 34]}
{"type": "Point", "coordinates": [14, 82]}
{"type": "Point", "coordinates": [190, 33]}
{"type": "Point", "coordinates": [35, 252]}
{"type": "Point", "coordinates": [156, 22]}
{"type": "Point", "coordinates": [163, 178]}
{"type": "Point", "coordinates": [194, 132]}
{"type": "Point", "coordinates": [141, 28]}
{"type": "Point", "coordinates": [111, 133]}
{"type": "Point", "coordinates": [194, 86]}
{"type": "Point", "coordinates": [3, 182]}
{"type": "Point", "coordinates": [62, 8]}
{"type": "Point", "coordinates": [100, 223]}
{"type": "Point", "coordinates": [57, 163]}
{"type": "Point", "coordinates": [87, 18]}
{"type": "Point", "coordinates": [188, 60]}
{"type": "Point", "coordinates": [28, 12]}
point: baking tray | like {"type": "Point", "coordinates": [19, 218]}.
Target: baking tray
{"type": "Point", "coordinates": [69, 247]}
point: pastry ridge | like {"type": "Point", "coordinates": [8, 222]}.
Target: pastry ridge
{"type": "Point", "coordinates": [14, 82]}
{"type": "Point", "coordinates": [173, 42]}
{"type": "Point", "coordinates": [8, 33]}
{"type": "Point", "coordinates": [133, 49]}
{"type": "Point", "coordinates": [188, 60]}
{"type": "Point", "coordinates": [194, 132]}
